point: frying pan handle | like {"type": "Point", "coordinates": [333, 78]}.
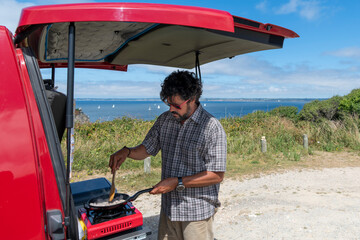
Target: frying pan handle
{"type": "Point", "coordinates": [135, 196]}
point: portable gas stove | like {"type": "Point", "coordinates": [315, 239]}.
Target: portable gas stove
{"type": "Point", "coordinates": [102, 223]}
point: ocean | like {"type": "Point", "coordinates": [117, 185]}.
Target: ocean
{"type": "Point", "coordinates": [109, 109]}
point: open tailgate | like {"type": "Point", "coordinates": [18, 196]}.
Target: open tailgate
{"type": "Point", "coordinates": [113, 35]}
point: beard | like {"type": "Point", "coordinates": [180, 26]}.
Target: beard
{"type": "Point", "coordinates": [182, 118]}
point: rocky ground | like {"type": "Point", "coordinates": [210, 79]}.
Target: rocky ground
{"type": "Point", "coordinates": [317, 203]}
{"type": "Point", "coordinates": [81, 117]}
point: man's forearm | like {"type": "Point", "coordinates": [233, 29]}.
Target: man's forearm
{"type": "Point", "coordinates": [138, 152]}
{"type": "Point", "coordinates": [203, 179]}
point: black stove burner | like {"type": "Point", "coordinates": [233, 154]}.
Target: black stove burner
{"type": "Point", "coordinates": [99, 216]}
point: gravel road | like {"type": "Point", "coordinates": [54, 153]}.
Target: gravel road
{"type": "Point", "coordinates": [301, 204]}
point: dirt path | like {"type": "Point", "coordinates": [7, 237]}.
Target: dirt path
{"type": "Point", "coordinates": [311, 204]}
{"type": "Point", "coordinates": [297, 204]}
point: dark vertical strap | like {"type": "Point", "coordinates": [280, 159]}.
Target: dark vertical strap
{"type": "Point", "coordinates": [197, 65]}
{"type": "Point", "coordinates": [69, 115]}
{"type": "Point", "coordinates": [53, 73]}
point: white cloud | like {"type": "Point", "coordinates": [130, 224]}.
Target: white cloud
{"type": "Point", "coordinates": [249, 76]}
{"type": "Point", "coordinates": [262, 6]}
{"type": "Point", "coordinates": [138, 89]}
{"type": "Point", "coordinates": [276, 89]}
{"type": "Point", "coordinates": [155, 69]}
{"type": "Point", "coordinates": [348, 52]}
{"type": "Point", "coordinates": [113, 89]}
{"type": "Point", "coordinates": [244, 65]}
{"type": "Point", "coordinates": [10, 11]}
{"type": "Point", "coordinates": [242, 77]}
{"type": "Point", "coordinates": [245, 76]}
{"type": "Point", "coordinates": [289, 7]}
{"type": "Point", "coordinates": [308, 9]}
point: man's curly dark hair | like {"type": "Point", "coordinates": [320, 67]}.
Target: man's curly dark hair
{"type": "Point", "coordinates": [182, 83]}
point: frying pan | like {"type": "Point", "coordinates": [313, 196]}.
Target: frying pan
{"type": "Point", "coordinates": [119, 200]}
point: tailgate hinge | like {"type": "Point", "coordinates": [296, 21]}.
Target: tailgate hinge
{"type": "Point", "coordinates": [55, 227]}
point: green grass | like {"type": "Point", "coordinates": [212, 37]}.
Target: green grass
{"type": "Point", "coordinates": [95, 142]}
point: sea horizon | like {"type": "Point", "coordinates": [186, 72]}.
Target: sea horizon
{"type": "Point", "coordinates": [107, 109]}
{"type": "Point", "coordinates": [203, 99]}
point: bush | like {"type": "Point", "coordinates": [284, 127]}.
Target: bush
{"type": "Point", "coordinates": [351, 102]}
{"type": "Point", "coordinates": [317, 110]}
{"type": "Point", "coordinates": [255, 116]}
{"type": "Point", "coordinates": [285, 111]}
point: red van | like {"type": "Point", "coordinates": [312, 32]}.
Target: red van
{"type": "Point", "coordinates": [37, 200]}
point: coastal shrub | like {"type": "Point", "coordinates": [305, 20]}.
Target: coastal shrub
{"type": "Point", "coordinates": [94, 142]}
{"type": "Point", "coordinates": [317, 110]}
{"type": "Point", "coordinates": [336, 135]}
{"type": "Point", "coordinates": [351, 102]}
{"type": "Point", "coordinates": [255, 117]}
{"type": "Point", "coordinates": [285, 111]}
{"type": "Point", "coordinates": [244, 134]}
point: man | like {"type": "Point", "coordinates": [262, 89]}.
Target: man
{"type": "Point", "coordinates": [193, 150]}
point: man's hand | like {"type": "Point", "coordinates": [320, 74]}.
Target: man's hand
{"type": "Point", "coordinates": [117, 159]}
{"type": "Point", "coordinates": [136, 153]}
{"type": "Point", "coordinates": [166, 185]}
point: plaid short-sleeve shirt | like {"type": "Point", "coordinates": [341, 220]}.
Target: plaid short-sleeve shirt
{"type": "Point", "coordinates": [196, 146]}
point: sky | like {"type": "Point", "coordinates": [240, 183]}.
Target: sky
{"type": "Point", "coordinates": [323, 62]}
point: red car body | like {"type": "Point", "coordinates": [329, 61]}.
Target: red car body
{"type": "Point", "coordinates": [32, 169]}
